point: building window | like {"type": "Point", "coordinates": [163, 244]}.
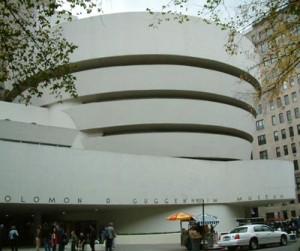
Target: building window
{"type": "Point", "coordinates": [263, 48]}
{"type": "Point", "coordinates": [298, 129]}
{"type": "Point", "coordinates": [270, 46]}
{"type": "Point", "coordinates": [284, 85]}
{"type": "Point", "coordinates": [294, 96]}
{"type": "Point", "coordinates": [260, 124]}
{"type": "Point", "coordinates": [273, 58]}
{"type": "Point", "coordinates": [270, 216]}
{"type": "Point", "coordinates": [261, 140]}
{"type": "Point", "coordinates": [278, 153]}
{"type": "Point", "coordinates": [272, 106]}
{"type": "Point", "coordinates": [274, 121]}
{"type": "Point", "coordinates": [285, 150]}
{"type": "Point", "coordinates": [283, 134]}
{"type": "Point", "coordinates": [294, 149]}
{"type": "Point", "coordinates": [291, 130]}
{"type": "Point", "coordinates": [259, 109]}
{"type": "Point", "coordinates": [289, 116]}
{"type": "Point", "coordinates": [286, 99]}
{"type": "Point", "coordinates": [266, 61]}
{"type": "Point", "coordinates": [279, 103]}
{"type": "Point", "coordinates": [263, 154]}
{"type": "Point", "coordinates": [276, 135]}
{"type": "Point", "coordinates": [281, 118]}
{"type": "Point", "coordinates": [292, 81]}
{"type": "Point", "coordinates": [296, 167]}
{"type": "Point", "coordinates": [298, 78]}
{"type": "Point", "coordinates": [298, 182]}
{"type": "Point", "coordinates": [297, 113]}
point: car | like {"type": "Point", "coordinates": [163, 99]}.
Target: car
{"type": "Point", "coordinates": [252, 236]}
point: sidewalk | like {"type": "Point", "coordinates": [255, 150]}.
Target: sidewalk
{"type": "Point", "coordinates": [292, 246]}
{"type": "Point", "coordinates": [123, 247]}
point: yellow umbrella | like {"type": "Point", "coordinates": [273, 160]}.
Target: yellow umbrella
{"type": "Point", "coordinates": [180, 216]}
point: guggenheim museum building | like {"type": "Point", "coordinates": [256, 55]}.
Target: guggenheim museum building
{"type": "Point", "coordinates": [163, 123]}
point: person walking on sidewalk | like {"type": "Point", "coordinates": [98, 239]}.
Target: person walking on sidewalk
{"type": "Point", "coordinates": [109, 234]}
{"type": "Point", "coordinates": [1, 236]}
{"type": "Point", "coordinates": [13, 236]}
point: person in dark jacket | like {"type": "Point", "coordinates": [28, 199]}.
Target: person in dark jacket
{"type": "Point", "coordinates": [62, 238]}
{"type": "Point", "coordinates": [1, 235]}
{"type": "Point", "coordinates": [92, 237]}
{"type": "Point", "coordinates": [46, 237]}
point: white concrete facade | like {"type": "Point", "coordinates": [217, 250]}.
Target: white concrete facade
{"type": "Point", "coordinates": [152, 103]}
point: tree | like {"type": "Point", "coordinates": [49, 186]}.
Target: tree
{"type": "Point", "coordinates": [33, 53]}
{"type": "Point", "coordinates": [279, 19]}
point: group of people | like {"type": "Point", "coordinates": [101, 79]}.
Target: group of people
{"type": "Point", "coordinates": [54, 238]}
{"type": "Point", "coordinates": [107, 235]}
{"type": "Point", "coordinates": [289, 226]}
{"type": "Point", "coordinates": [13, 236]}
{"type": "Point", "coordinates": [57, 239]}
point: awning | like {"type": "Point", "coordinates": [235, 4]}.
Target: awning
{"type": "Point", "coordinates": [208, 219]}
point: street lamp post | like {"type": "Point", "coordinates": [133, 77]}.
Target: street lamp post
{"type": "Point", "coordinates": [203, 218]}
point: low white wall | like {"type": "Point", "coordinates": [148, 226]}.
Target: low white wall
{"type": "Point", "coordinates": [149, 239]}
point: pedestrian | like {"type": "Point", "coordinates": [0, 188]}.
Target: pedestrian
{"type": "Point", "coordinates": [1, 235]}
{"type": "Point", "coordinates": [62, 238]}
{"type": "Point", "coordinates": [92, 237]}
{"type": "Point", "coordinates": [81, 241]}
{"type": "Point", "coordinates": [46, 237]}
{"type": "Point", "coordinates": [38, 238]}
{"type": "Point", "coordinates": [54, 239]}
{"type": "Point", "coordinates": [13, 236]}
{"type": "Point", "coordinates": [109, 234]}
{"type": "Point", "coordinates": [73, 240]}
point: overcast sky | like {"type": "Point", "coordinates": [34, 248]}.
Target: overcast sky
{"type": "Point", "coordinates": [115, 6]}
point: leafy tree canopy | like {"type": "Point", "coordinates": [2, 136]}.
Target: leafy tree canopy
{"type": "Point", "coordinates": [33, 53]}
{"type": "Point", "coordinates": [279, 20]}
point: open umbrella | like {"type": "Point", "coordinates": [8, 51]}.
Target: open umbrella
{"type": "Point", "coordinates": [208, 219]}
{"type": "Point", "coordinates": [180, 216]}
